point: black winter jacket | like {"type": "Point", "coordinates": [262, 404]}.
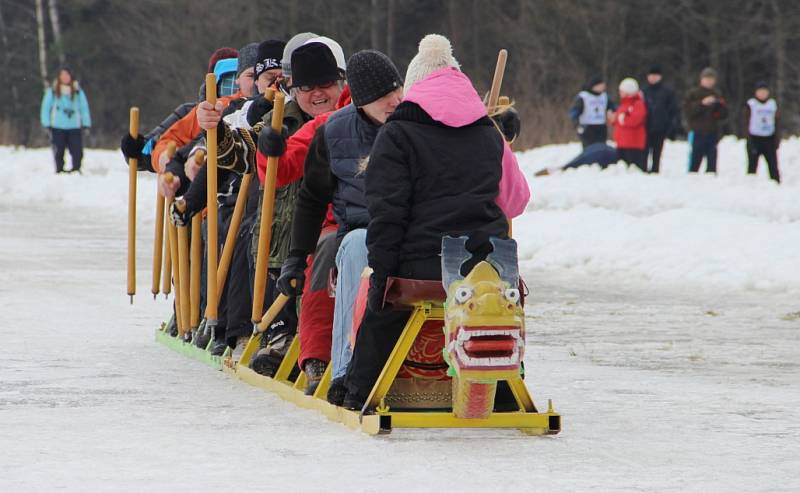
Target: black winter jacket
{"type": "Point", "coordinates": [663, 113]}
{"type": "Point", "coordinates": [426, 180]}
{"type": "Point", "coordinates": [331, 174]}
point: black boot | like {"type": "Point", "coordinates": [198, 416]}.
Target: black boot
{"type": "Point", "coordinates": [337, 391]}
{"type": "Point", "coordinates": [314, 369]}
{"type": "Point", "coordinates": [353, 401]}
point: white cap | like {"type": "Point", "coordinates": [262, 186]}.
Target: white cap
{"type": "Point", "coordinates": [297, 40]}
{"type": "Point", "coordinates": [629, 86]}
{"type": "Point", "coordinates": [435, 52]}
{"type": "Point", "coordinates": [336, 49]}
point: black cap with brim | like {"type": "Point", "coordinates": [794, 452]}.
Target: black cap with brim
{"type": "Point", "coordinates": [314, 64]}
{"type": "Point", "coordinates": [762, 84]}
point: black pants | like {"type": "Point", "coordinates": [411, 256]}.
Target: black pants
{"type": "Point", "coordinates": [380, 331]}
{"type": "Point", "coordinates": [592, 134]}
{"type": "Point", "coordinates": [655, 144]}
{"type": "Point", "coordinates": [703, 146]}
{"type": "Point", "coordinates": [634, 156]}
{"type": "Point", "coordinates": [763, 146]}
{"type": "Point", "coordinates": [63, 139]}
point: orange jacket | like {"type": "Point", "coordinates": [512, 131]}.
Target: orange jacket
{"type": "Point", "coordinates": [184, 131]}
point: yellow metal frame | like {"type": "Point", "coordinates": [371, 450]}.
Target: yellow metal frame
{"type": "Point", "coordinates": [384, 419]}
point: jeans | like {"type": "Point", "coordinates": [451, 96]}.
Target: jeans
{"type": "Point", "coordinates": [703, 146]}
{"type": "Point", "coordinates": [351, 260]}
{"type": "Point", "coordinates": [67, 139]}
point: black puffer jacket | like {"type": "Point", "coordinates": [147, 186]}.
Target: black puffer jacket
{"type": "Point", "coordinates": [663, 113]}
{"type": "Point", "coordinates": [426, 180]}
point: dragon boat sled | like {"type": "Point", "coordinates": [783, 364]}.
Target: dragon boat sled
{"type": "Point", "coordinates": [457, 349]}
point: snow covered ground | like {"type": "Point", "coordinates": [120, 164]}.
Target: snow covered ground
{"type": "Point", "coordinates": [664, 324]}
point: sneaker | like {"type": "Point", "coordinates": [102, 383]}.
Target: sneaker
{"type": "Point", "coordinates": [268, 359]}
{"type": "Point", "coordinates": [337, 391]}
{"type": "Point", "coordinates": [218, 347]}
{"type": "Point", "coordinates": [314, 369]}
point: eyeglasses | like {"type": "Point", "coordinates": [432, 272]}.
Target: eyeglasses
{"type": "Point", "coordinates": [309, 88]}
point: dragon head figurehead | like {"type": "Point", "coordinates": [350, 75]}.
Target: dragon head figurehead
{"type": "Point", "coordinates": [484, 326]}
{"type": "Point", "coordinates": [484, 320]}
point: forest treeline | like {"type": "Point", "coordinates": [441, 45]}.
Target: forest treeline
{"type": "Point", "coordinates": [153, 53]}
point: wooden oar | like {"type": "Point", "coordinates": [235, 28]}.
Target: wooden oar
{"type": "Point", "coordinates": [182, 288]}
{"type": "Point", "coordinates": [497, 80]}
{"type": "Point", "coordinates": [132, 170]}
{"type": "Point", "coordinates": [233, 233]}
{"type": "Point", "coordinates": [211, 199]}
{"type": "Point", "coordinates": [158, 236]}
{"type": "Point", "coordinates": [172, 239]}
{"type": "Point", "coordinates": [197, 258]}
{"type": "Point", "coordinates": [267, 210]}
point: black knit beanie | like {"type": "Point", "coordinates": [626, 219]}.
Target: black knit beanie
{"type": "Point", "coordinates": [314, 64]}
{"type": "Point", "coordinates": [371, 75]}
{"type": "Point", "coordinates": [269, 55]}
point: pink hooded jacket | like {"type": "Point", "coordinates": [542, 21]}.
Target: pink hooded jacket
{"type": "Point", "coordinates": [448, 97]}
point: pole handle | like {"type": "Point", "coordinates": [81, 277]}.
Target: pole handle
{"type": "Point", "coordinates": [274, 309]}
{"type": "Point", "coordinates": [134, 122]}
{"type": "Point", "coordinates": [497, 80]}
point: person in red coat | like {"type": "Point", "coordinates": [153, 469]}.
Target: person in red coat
{"type": "Point", "coordinates": [629, 121]}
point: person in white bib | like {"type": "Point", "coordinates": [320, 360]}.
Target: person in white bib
{"type": "Point", "coordinates": [590, 112]}
{"type": "Point", "coordinates": [761, 124]}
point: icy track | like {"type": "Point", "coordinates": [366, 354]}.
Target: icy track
{"type": "Point", "coordinates": [664, 324]}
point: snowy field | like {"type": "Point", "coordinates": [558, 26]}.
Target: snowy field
{"type": "Point", "coordinates": [664, 324]}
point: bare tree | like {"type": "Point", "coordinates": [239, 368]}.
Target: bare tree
{"type": "Point", "coordinates": [42, 43]}
{"type": "Point", "coordinates": [55, 23]}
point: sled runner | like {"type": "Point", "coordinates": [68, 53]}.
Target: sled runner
{"type": "Point", "coordinates": [188, 348]}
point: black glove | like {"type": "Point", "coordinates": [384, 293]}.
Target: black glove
{"type": "Point", "coordinates": [272, 143]}
{"type": "Point", "coordinates": [293, 269]}
{"type": "Point", "coordinates": [177, 217]}
{"type": "Point", "coordinates": [509, 124]}
{"type": "Point", "coordinates": [377, 288]}
{"type": "Point", "coordinates": [258, 108]}
{"type": "Point", "coordinates": [132, 148]}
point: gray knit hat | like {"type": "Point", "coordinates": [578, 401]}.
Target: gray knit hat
{"type": "Point", "coordinates": [248, 56]}
{"type": "Point", "coordinates": [297, 41]}
{"type": "Point", "coordinates": [371, 75]}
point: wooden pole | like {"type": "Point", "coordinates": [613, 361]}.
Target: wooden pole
{"type": "Point", "coordinates": [132, 170]}
{"type": "Point", "coordinates": [183, 271]}
{"type": "Point", "coordinates": [497, 80]}
{"type": "Point", "coordinates": [267, 210]}
{"type": "Point", "coordinates": [211, 199]}
{"type": "Point", "coordinates": [158, 236]}
{"type": "Point", "coordinates": [233, 233]}
{"type": "Point", "coordinates": [166, 277]}
{"type": "Point", "coordinates": [172, 239]}
{"type": "Point", "coordinates": [196, 260]}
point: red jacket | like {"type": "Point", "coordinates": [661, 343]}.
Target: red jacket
{"type": "Point", "coordinates": [630, 131]}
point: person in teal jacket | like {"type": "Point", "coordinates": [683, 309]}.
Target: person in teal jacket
{"type": "Point", "coordinates": [65, 112]}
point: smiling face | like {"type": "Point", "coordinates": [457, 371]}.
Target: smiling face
{"type": "Point", "coordinates": [484, 326]}
{"type": "Point", "coordinates": [316, 100]}
{"type": "Point", "coordinates": [382, 108]}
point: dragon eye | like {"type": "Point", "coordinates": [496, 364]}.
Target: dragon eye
{"type": "Point", "coordinates": [463, 295]}
{"type": "Point", "coordinates": [512, 295]}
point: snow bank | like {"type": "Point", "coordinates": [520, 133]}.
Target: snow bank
{"type": "Point", "coordinates": [731, 231]}
{"type": "Point", "coordinates": [27, 179]}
